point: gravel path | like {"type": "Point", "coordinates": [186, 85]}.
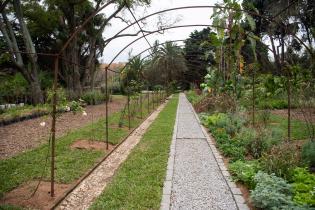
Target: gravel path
{"type": "Point", "coordinates": [22, 136]}
{"type": "Point", "coordinates": [89, 189]}
{"type": "Point", "coordinates": [197, 181]}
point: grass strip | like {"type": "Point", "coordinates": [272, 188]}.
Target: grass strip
{"type": "Point", "coordinates": [139, 181]}
{"type": "Point", "coordinates": [299, 129]}
{"type": "Point", "coordinates": [71, 163]}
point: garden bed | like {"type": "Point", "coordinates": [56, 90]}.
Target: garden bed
{"type": "Point", "coordinates": [261, 160]}
{"type": "Point", "coordinates": [22, 195]}
{"type": "Point", "coordinates": [19, 114]}
{"type": "Point", "coordinates": [23, 136]}
{"type": "Point", "coordinates": [271, 171]}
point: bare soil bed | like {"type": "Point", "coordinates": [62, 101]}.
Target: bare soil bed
{"type": "Point", "coordinates": [298, 114]}
{"type": "Point", "coordinates": [40, 200]}
{"type": "Point", "coordinates": [22, 136]}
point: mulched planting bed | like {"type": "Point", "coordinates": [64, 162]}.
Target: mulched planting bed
{"type": "Point", "coordinates": [297, 114]}
{"type": "Point", "coordinates": [22, 136]}
{"type": "Point", "coordinates": [22, 195]}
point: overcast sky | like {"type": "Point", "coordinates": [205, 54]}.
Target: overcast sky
{"type": "Point", "coordinates": [187, 16]}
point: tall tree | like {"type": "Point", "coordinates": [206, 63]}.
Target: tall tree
{"type": "Point", "coordinates": [169, 63]}
{"type": "Point", "coordinates": [28, 66]}
{"type": "Point", "coordinates": [199, 53]}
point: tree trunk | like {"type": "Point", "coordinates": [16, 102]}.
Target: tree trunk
{"type": "Point", "coordinates": [275, 55]}
{"type": "Point", "coordinates": [30, 73]}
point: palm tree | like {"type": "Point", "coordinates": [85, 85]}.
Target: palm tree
{"type": "Point", "coordinates": [133, 72]}
{"type": "Point", "coordinates": [169, 63]}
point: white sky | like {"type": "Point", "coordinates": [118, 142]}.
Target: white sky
{"type": "Point", "coordinates": [187, 16]}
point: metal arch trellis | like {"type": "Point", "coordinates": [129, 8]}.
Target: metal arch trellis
{"type": "Point", "coordinates": [81, 27]}
{"type": "Point", "coordinates": [117, 35]}
{"type": "Point", "coordinates": [143, 58]}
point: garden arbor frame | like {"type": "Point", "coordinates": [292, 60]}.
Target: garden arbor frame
{"type": "Point", "coordinates": [57, 56]}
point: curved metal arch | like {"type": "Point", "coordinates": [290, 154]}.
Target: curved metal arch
{"type": "Point", "coordinates": [164, 29]}
{"type": "Point", "coordinates": [206, 6]}
{"type": "Point", "coordinates": [139, 54]}
{"type": "Point", "coordinates": [156, 31]}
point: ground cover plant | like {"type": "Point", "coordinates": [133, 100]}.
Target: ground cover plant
{"type": "Point", "coordinates": [139, 181]}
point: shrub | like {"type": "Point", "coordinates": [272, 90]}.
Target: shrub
{"type": "Point", "coordinates": [262, 142]}
{"type": "Point", "coordinates": [75, 106]}
{"type": "Point", "coordinates": [308, 153]}
{"type": "Point", "coordinates": [244, 172]}
{"type": "Point", "coordinates": [256, 142]}
{"type": "Point", "coordinates": [281, 160]}
{"type": "Point", "coordinates": [303, 187]}
{"type": "Point", "coordinates": [271, 192]}
{"type": "Point", "coordinates": [232, 151]}
{"type": "Point", "coordinates": [264, 116]}
{"type": "Point", "coordinates": [193, 97]}
{"type": "Point", "coordinates": [115, 88]}
{"type": "Point", "coordinates": [93, 97]}
{"type": "Point", "coordinates": [273, 104]}
{"type": "Point", "coordinates": [220, 135]}
{"type": "Point", "coordinates": [230, 122]}
{"type": "Point", "coordinates": [236, 122]}
{"type": "Point", "coordinates": [217, 120]}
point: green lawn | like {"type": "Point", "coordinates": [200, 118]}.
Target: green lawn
{"type": "Point", "coordinates": [139, 181]}
{"type": "Point", "coordinates": [298, 128]}
{"type": "Point", "coordinates": [70, 163]}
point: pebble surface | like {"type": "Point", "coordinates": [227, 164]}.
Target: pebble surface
{"type": "Point", "coordinates": [197, 182]}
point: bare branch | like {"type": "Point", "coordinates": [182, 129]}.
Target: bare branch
{"type": "Point", "coordinates": [123, 20]}
{"type": "Point", "coordinates": [124, 35]}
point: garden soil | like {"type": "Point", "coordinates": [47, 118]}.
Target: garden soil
{"type": "Point", "coordinates": [23, 136]}
{"type": "Point", "coordinates": [297, 114]}
{"type": "Point", "coordinates": [21, 196]}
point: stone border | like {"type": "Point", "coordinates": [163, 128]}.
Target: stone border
{"type": "Point", "coordinates": [236, 192]}
{"type": "Point", "coordinates": [167, 186]}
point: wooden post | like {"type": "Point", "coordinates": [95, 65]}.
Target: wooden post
{"type": "Point", "coordinates": [141, 104]}
{"type": "Point", "coordinates": [253, 97]}
{"type": "Point", "coordinates": [148, 93]}
{"type": "Point", "coordinates": [106, 107]}
{"type": "Point", "coordinates": [53, 129]}
{"type": "Point", "coordinates": [289, 104]}
{"type": "Point", "coordinates": [128, 107]}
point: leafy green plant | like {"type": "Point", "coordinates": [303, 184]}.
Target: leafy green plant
{"type": "Point", "coordinates": [303, 183]}
{"type": "Point", "coordinates": [281, 160]}
{"type": "Point", "coordinates": [264, 116]}
{"type": "Point", "coordinates": [308, 153]}
{"type": "Point", "coordinates": [244, 171]}
{"type": "Point", "coordinates": [193, 97]}
{"type": "Point", "coordinates": [271, 192]}
{"type": "Point", "coordinates": [61, 97]}
{"type": "Point", "coordinates": [261, 143]}
{"type": "Point", "coordinates": [12, 87]}
{"type": "Point", "coordinates": [220, 135]}
{"type": "Point", "coordinates": [230, 122]}
{"type": "Point", "coordinates": [75, 106]}
{"type": "Point", "coordinates": [232, 151]}
{"type": "Point", "coordinates": [217, 120]}
{"type": "Point", "coordinates": [93, 97]}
